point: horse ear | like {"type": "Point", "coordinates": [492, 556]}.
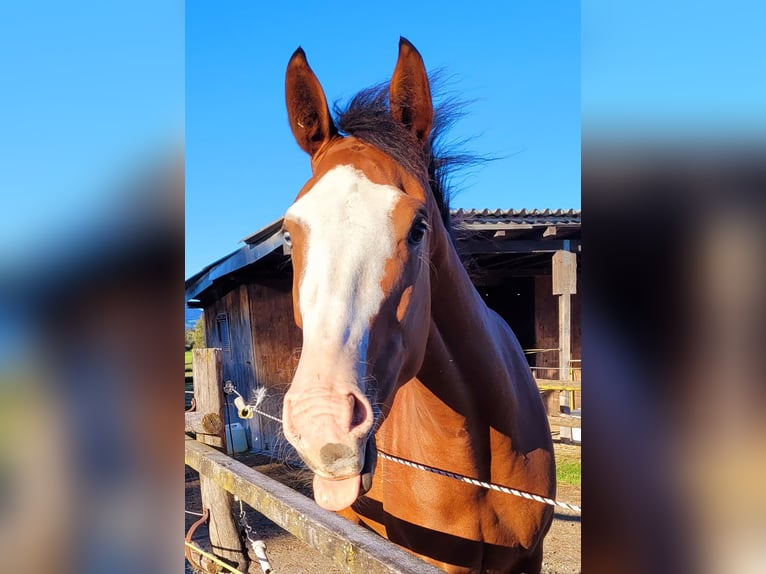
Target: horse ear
{"type": "Point", "coordinates": [307, 108]}
{"type": "Point", "coordinates": [410, 94]}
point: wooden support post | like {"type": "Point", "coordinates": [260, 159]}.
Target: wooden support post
{"type": "Point", "coordinates": [565, 285]}
{"type": "Point", "coordinates": [207, 366]}
{"type": "Point", "coordinates": [565, 338]}
{"type": "Point", "coordinates": [225, 541]}
{"type": "Point", "coordinates": [551, 401]}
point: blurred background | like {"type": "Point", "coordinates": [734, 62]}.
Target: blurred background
{"type": "Point", "coordinates": [674, 226]}
{"type": "Point", "coordinates": [91, 286]}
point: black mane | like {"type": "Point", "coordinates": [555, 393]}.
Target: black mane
{"type": "Point", "coordinates": [367, 116]}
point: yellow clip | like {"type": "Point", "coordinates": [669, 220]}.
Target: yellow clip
{"type": "Point", "coordinates": [244, 411]}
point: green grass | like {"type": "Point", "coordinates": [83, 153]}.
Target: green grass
{"type": "Point", "coordinates": [189, 386]}
{"type": "Point", "coordinates": [568, 472]}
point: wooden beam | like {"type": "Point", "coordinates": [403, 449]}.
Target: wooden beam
{"type": "Point", "coordinates": [555, 384]}
{"type": "Point", "coordinates": [489, 246]}
{"type": "Point", "coordinates": [351, 546]}
{"type": "Point", "coordinates": [203, 423]}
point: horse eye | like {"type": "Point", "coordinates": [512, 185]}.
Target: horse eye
{"type": "Point", "coordinates": [288, 241]}
{"type": "Point", "coordinates": [417, 232]}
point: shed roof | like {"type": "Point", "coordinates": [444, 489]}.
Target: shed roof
{"type": "Point", "coordinates": [486, 235]}
{"type": "Point", "coordinates": [515, 217]}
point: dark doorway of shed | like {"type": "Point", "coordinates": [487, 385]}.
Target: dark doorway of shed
{"type": "Point", "coordinates": [514, 301]}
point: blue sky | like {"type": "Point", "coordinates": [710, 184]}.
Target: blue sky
{"type": "Point", "coordinates": [518, 61]}
{"type": "Point", "coordinates": [92, 92]}
{"type": "Point", "coordinates": [689, 70]}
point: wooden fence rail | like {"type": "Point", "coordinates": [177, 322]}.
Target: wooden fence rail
{"type": "Point", "coordinates": [547, 384]}
{"type": "Point", "coordinates": [351, 546]}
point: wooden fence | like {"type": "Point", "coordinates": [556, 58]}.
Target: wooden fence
{"type": "Point", "coordinates": [221, 478]}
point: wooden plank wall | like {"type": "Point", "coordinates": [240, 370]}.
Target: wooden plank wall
{"type": "Point", "coordinates": [276, 346]}
{"type": "Point", "coordinates": [238, 360]}
{"type": "Point", "coordinates": [547, 331]}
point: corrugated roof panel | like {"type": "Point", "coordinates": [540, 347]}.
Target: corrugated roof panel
{"type": "Point", "coordinates": [516, 216]}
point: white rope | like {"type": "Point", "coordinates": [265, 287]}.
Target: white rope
{"type": "Point", "coordinates": [460, 477]}
{"type": "Point", "coordinates": [260, 394]}
{"type": "Point", "coordinates": [267, 415]}
{"type": "Point", "coordinates": [489, 485]}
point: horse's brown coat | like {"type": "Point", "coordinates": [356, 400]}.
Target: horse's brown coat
{"type": "Point", "coordinates": [449, 376]}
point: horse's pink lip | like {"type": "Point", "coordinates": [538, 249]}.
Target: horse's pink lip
{"type": "Point", "coordinates": [337, 494]}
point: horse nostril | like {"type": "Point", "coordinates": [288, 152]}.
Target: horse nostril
{"type": "Point", "coordinates": [358, 412]}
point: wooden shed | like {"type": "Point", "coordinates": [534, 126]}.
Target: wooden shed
{"type": "Point", "coordinates": [524, 263]}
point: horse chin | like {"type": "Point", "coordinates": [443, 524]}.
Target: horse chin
{"type": "Point", "coordinates": [338, 494]}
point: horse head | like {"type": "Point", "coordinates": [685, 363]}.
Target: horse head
{"type": "Point", "coordinates": [361, 232]}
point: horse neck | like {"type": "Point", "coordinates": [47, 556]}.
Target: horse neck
{"type": "Point", "coordinates": [467, 351]}
{"type": "Point", "coordinates": [455, 303]}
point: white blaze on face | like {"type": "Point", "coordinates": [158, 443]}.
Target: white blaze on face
{"type": "Point", "coordinates": [349, 231]}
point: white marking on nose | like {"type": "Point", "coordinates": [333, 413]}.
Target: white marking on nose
{"type": "Point", "coordinates": [350, 236]}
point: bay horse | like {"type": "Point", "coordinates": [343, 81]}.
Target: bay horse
{"type": "Point", "coordinates": [399, 352]}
